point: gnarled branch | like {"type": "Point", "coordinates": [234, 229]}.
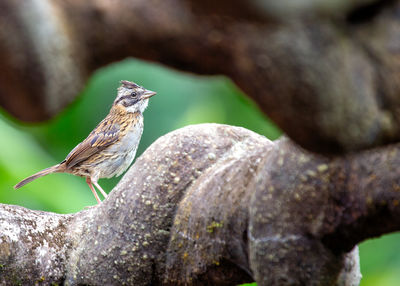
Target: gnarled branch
{"type": "Point", "coordinates": [214, 204]}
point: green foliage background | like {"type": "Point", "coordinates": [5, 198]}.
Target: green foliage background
{"type": "Point", "coordinates": [182, 99]}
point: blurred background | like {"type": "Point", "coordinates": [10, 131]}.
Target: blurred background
{"type": "Point", "coordinates": [182, 99]}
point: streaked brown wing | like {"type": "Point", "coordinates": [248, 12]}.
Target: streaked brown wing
{"type": "Point", "coordinates": [101, 137]}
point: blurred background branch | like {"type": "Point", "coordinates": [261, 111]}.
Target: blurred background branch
{"type": "Point", "coordinates": [326, 72]}
{"type": "Point", "coordinates": [327, 75]}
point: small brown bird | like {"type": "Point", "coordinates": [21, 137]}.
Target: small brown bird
{"type": "Point", "coordinates": [111, 147]}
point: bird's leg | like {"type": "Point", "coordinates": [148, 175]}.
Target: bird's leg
{"type": "Point", "coordinates": [100, 189]}
{"type": "Point", "coordinates": [89, 182]}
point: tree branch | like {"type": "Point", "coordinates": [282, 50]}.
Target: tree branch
{"type": "Point", "coordinates": [327, 74]}
{"type": "Point", "coordinates": [214, 204]}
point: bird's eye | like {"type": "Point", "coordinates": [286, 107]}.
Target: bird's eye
{"type": "Point", "coordinates": [133, 94]}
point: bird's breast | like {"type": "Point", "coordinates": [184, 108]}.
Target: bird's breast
{"type": "Point", "coordinates": [129, 137]}
{"type": "Point", "coordinates": [124, 150]}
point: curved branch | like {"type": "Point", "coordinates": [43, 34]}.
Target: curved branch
{"type": "Point", "coordinates": [327, 75]}
{"type": "Point", "coordinates": [214, 204]}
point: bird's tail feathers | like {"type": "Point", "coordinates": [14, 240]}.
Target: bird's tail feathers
{"type": "Point", "coordinates": [44, 172]}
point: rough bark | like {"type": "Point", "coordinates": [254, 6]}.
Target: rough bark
{"type": "Point", "coordinates": [325, 71]}
{"type": "Point", "coordinates": [214, 205]}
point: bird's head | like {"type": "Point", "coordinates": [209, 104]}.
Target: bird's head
{"type": "Point", "coordinates": [133, 97]}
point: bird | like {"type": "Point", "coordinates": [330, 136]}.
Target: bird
{"type": "Point", "coordinates": [111, 147]}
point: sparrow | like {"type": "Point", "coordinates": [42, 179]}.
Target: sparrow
{"type": "Point", "coordinates": [111, 147]}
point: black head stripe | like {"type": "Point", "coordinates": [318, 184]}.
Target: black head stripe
{"type": "Point", "coordinates": [122, 98]}
{"type": "Point", "coordinates": [127, 100]}
{"type": "Point", "coordinates": [129, 84]}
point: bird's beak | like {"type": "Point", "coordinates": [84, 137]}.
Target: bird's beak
{"type": "Point", "coordinates": [148, 94]}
